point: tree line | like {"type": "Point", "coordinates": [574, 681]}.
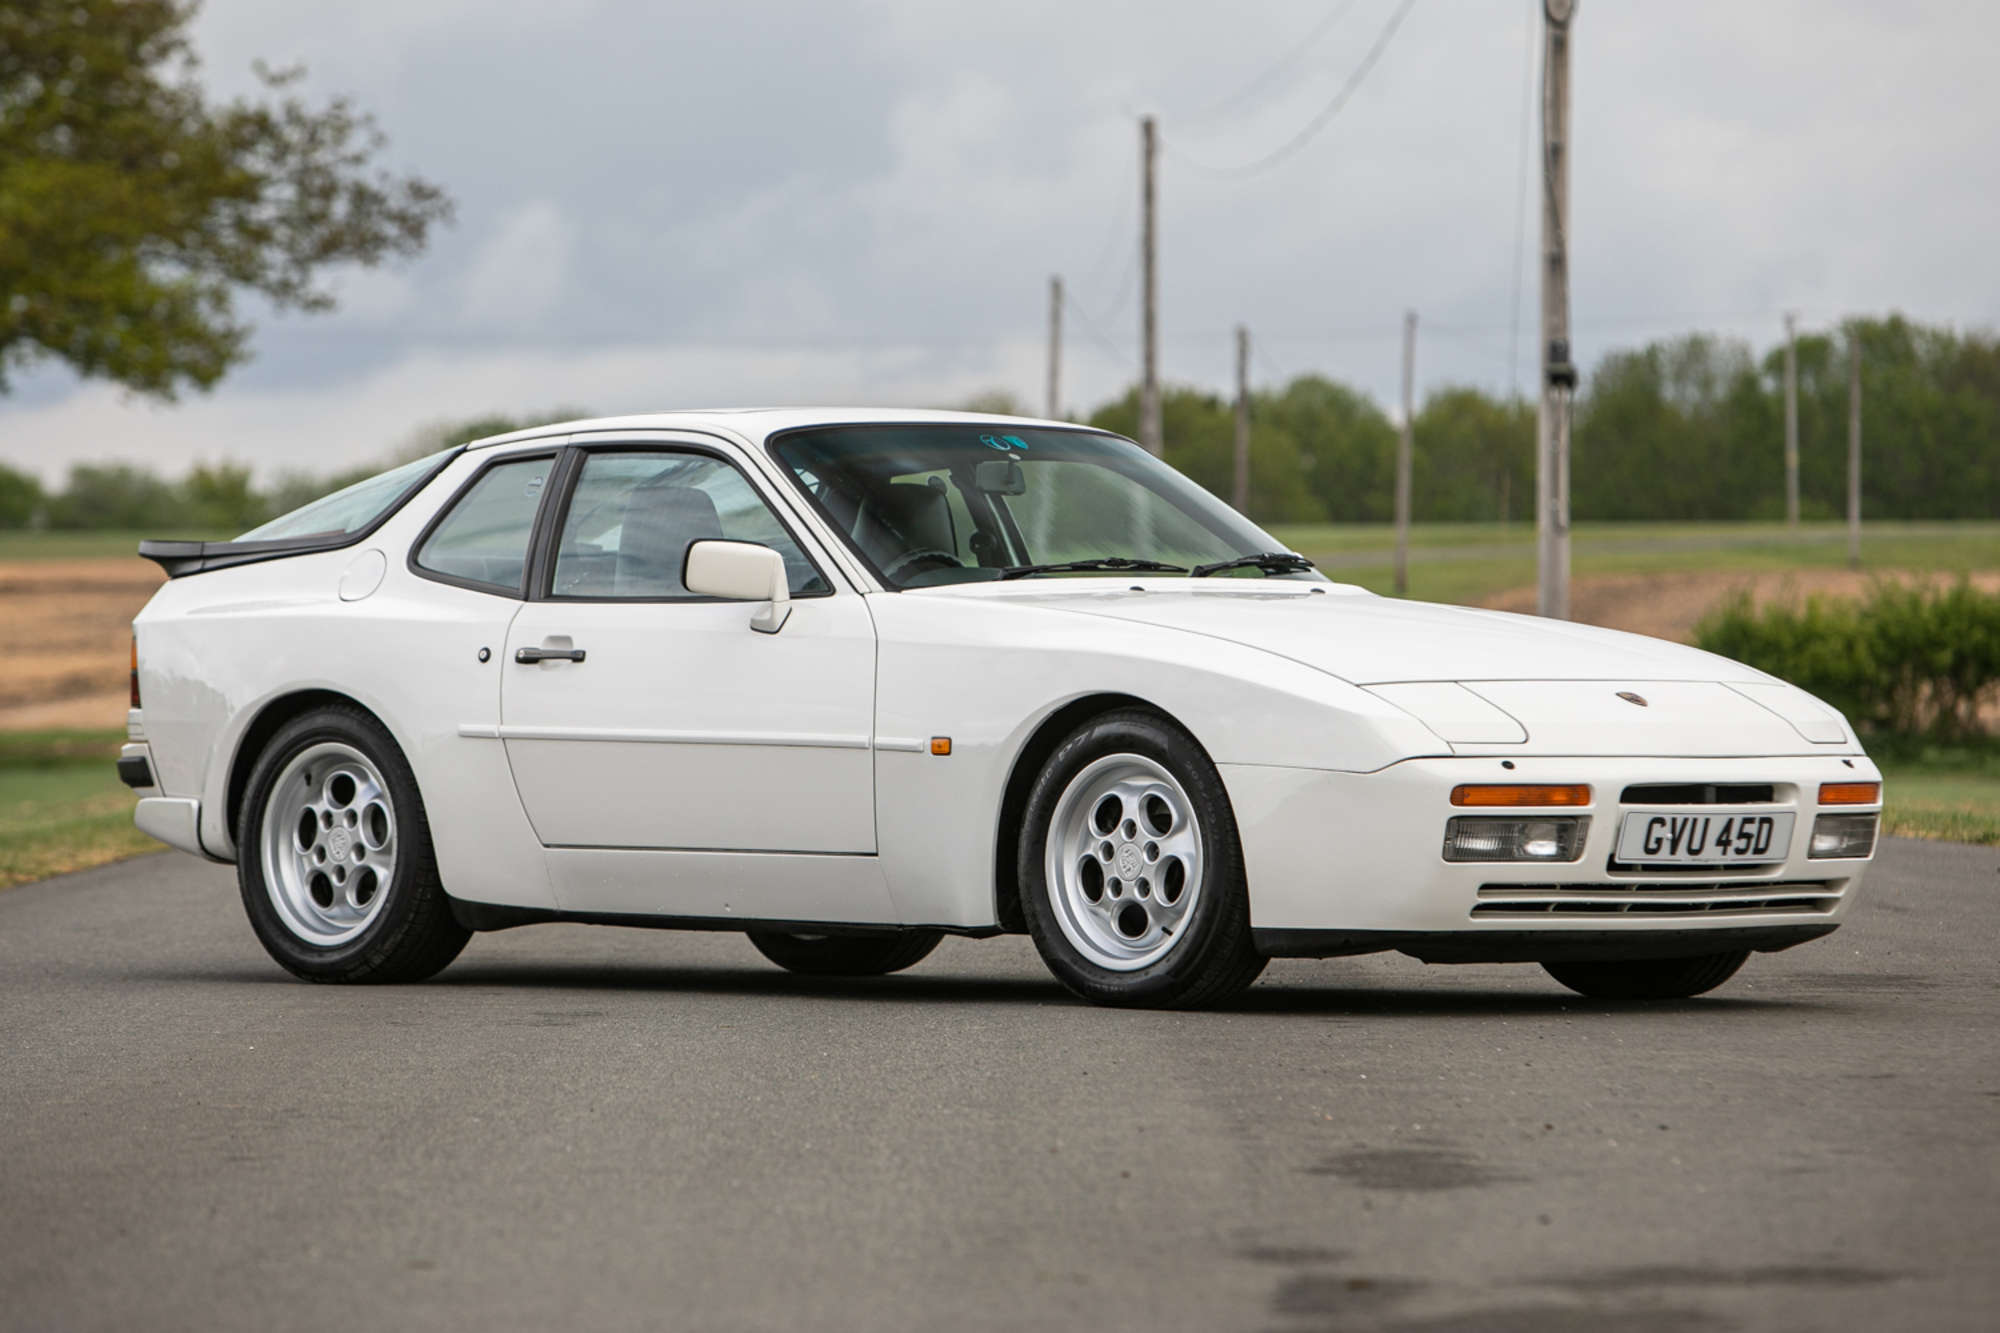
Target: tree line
{"type": "Point", "coordinates": [212, 499]}
{"type": "Point", "coordinates": [1689, 428]}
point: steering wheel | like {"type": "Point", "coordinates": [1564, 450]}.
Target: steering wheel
{"type": "Point", "coordinates": [895, 567]}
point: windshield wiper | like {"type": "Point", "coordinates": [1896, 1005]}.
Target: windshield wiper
{"type": "Point", "coordinates": [1271, 562]}
{"type": "Point", "coordinates": [1108, 562]}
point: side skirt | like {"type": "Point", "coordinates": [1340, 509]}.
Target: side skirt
{"type": "Point", "coordinates": [493, 916]}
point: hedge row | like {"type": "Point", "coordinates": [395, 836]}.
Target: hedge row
{"type": "Point", "coordinates": [1908, 660]}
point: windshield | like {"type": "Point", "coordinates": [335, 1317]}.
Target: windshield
{"type": "Point", "coordinates": [946, 503]}
{"type": "Point", "coordinates": [351, 509]}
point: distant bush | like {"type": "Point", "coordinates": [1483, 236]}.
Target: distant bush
{"type": "Point", "coordinates": [20, 498]}
{"type": "Point", "coordinates": [1908, 660]}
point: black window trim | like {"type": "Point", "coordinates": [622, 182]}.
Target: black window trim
{"type": "Point", "coordinates": [549, 522]}
{"type": "Point", "coordinates": [553, 450]}
{"type": "Point", "coordinates": [181, 558]}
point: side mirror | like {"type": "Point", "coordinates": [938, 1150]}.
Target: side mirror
{"type": "Point", "coordinates": [741, 572]}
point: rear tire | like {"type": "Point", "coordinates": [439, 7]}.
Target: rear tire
{"type": "Point", "coordinates": [1130, 869]}
{"type": "Point", "coordinates": [845, 955]}
{"type": "Point", "coordinates": [1649, 978]}
{"type": "Point", "coordinates": [334, 857]}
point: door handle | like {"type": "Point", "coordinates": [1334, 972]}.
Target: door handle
{"type": "Point", "coordinates": [530, 656]}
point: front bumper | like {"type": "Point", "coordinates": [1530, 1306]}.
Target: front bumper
{"type": "Point", "coordinates": [1361, 854]}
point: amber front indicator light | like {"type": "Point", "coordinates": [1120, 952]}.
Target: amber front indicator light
{"type": "Point", "coordinates": [1849, 793]}
{"type": "Point", "coordinates": [135, 671]}
{"type": "Point", "coordinates": [1514, 795]}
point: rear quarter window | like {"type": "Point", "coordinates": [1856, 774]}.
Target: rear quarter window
{"type": "Point", "coordinates": [482, 539]}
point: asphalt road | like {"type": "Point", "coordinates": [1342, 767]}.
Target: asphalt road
{"type": "Point", "coordinates": [581, 1127]}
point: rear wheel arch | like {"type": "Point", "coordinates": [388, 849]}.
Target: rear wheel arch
{"type": "Point", "coordinates": [270, 718]}
{"type": "Point", "coordinates": [1028, 763]}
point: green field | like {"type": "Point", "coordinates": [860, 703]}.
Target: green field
{"type": "Point", "coordinates": [62, 806]}
{"type": "Point", "coordinates": [1465, 562]}
{"type": "Point", "coordinates": [20, 544]}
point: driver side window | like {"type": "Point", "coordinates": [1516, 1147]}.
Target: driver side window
{"type": "Point", "coordinates": [633, 515]}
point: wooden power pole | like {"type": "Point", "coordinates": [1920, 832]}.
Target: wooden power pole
{"type": "Point", "coordinates": [1055, 348]}
{"type": "Point", "coordinates": [1791, 420]}
{"type": "Point", "coordinates": [1240, 495]}
{"type": "Point", "coordinates": [1558, 370]}
{"type": "Point", "coordinates": [1404, 445]}
{"type": "Point", "coordinates": [1149, 282]}
{"type": "Point", "coordinates": [1853, 448]}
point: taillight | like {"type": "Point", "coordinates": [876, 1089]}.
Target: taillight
{"type": "Point", "coordinates": [135, 671]}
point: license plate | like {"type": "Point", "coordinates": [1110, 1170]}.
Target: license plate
{"type": "Point", "coordinates": [1704, 837]}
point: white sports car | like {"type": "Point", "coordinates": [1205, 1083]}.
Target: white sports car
{"type": "Point", "coordinates": [849, 681]}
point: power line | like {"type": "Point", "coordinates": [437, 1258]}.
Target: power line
{"type": "Point", "coordinates": [1292, 56]}
{"type": "Point", "coordinates": [1322, 119]}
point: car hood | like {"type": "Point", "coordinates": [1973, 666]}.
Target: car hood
{"type": "Point", "coordinates": [1369, 640]}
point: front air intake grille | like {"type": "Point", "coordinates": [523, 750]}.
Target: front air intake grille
{"type": "Point", "coordinates": [1701, 793]}
{"type": "Point", "coordinates": [1675, 899]}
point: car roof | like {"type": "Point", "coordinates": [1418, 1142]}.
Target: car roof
{"type": "Point", "coordinates": [760, 423]}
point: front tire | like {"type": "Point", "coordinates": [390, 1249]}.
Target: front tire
{"type": "Point", "coordinates": [334, 855]}
{"type": "Point", "coordinates": [1130, 869]}
{"type": "Point", "coordinates": [845, 955]}
{"type": "Point", "coordinates": [1649, 978]}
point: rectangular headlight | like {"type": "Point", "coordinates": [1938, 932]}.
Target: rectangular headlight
{"type": "Point", "coordinates": [1842, 837]}
{"type": "Point", "coordinates": [1492, 838]}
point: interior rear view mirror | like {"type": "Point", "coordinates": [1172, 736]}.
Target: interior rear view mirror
{"type": "Point", "coordinates": [1000, 476]}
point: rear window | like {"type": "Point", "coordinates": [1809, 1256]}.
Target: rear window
{"type": "Point", "coordinates": [351, 509]}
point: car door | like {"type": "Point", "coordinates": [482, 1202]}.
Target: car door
{"type": "Point", "coordinates": [654, 721]}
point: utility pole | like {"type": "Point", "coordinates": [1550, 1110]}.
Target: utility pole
{"type": "Point", "coordinates": [1241, 494]}
{"type": "Point", "coordinates": [1791, 420]}
{"type": "Point", "coordinates": [1055, 348]}
{"type": "Point", "coordinates": [1558, 371]}
{"type": "Point", "coordinates": [1149, 281]}
{"type": "Point", "coordinates": [1853, 448]}
{"type": "Point", "coordinates": [1403, 450]}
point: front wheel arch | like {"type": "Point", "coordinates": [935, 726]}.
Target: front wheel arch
{"type": "Point", "coordinates": [1028, 762]}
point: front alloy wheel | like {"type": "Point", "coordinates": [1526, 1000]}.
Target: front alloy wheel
{"type": "Point", "coordinates": [1131, 876]}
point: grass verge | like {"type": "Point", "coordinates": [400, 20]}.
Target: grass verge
{"type": "Point", "coordinates": [1933, 791]}
{"type": "Point", "coordinates": [62, 807]}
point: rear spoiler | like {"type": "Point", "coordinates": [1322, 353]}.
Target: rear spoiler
{"type": "Point", "coordinates": [181, 558]}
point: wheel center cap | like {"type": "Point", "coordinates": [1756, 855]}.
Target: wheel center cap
{"type": "Point", "coordinates": [1129, 861]}
{"type": "Point", "coordinates": [338, 843]}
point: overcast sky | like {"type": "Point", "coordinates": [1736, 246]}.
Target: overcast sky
{"type": "Point", "coordinates": [673, 204]}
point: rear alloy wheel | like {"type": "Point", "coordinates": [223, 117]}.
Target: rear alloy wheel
{"type": "Point", "coordinates": [1131, 876]}
{"type": "Point", "coordinates": [334, 856]}
{"type": "Point", "coordinates": [1649, 978]}
{"type": "Point", "coordinates": [845, 955]}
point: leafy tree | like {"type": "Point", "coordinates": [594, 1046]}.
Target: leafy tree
{"type": "Point", "coordinates": [133, 212]}
{"type": "Point", "coordinates": [1347, 446]}
{"type": "Point", "coordinates": [116, 495]}
{"type": "Point", "coordinates": [219, 497]}
{"type": "Point", "coordinates": [995, 402]}
{"type": "Point", "coordinates": [20, 498]}
{"type": "Point", "coordinates": [1472, 458]}
{"type": "Point", "coordinates": [1199, 434]}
